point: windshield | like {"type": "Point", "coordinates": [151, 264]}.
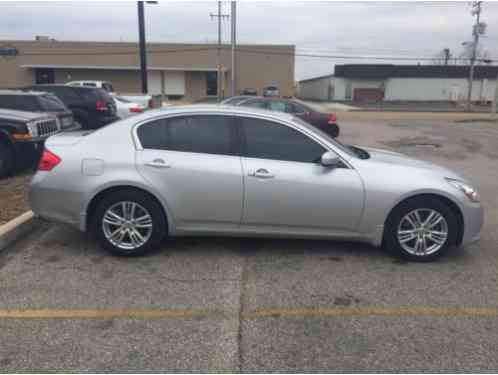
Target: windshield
{"type": "Point", "coordinates": [345, 148]}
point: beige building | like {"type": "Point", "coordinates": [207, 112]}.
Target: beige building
{"type": "Point", "coordinates": [186, 71]}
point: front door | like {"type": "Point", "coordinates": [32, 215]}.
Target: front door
{"type": "Point", "coordinates": [191, 161]}
{"type": "Point", "coordinates": [286, 189]}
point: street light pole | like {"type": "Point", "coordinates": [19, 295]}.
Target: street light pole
{"type": "Point", "coordinates": [143, 51]}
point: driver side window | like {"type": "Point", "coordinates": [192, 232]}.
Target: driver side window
{"type": "Point", "coordinates": [270, 140]}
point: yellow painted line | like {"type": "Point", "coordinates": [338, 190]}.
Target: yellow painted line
{"type": "Point", "coordinates": [101, 313]}
{"type": "Point", "coordinates": [256, 314]}
{"type": "Point", "coordinates": [374, 311]}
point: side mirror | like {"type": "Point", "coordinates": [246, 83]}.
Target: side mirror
{"type": "Point", "coordinates": [330, 159]}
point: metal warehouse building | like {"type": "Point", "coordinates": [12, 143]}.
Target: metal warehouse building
{"type": "Point", "coordinates": [375, 82]}
{"type": "Point", "coordinates": [177, 70]}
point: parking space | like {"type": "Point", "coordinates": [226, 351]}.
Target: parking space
{"type": "Point", "coordinates": [230, 304]}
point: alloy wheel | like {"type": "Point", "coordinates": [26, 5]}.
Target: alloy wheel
{"type": "Point", "coordinates": [127, 225]}
{"type": "Point", "coordinates": [422, 232]}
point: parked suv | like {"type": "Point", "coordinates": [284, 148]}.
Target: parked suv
{"type": "Point", "coordinates": [35, 101]}
{"type": "Point", "coordinates": [92, 107]}
{"type": "Point", "coordinates": [21, 137]}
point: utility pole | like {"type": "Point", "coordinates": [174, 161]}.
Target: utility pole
{"type": "Point", "coordinates": [218, 57]}
{"type": "Point", "coordinates": [234, 42]}
{"type": "Point", "coordinates": [495, 101]}
{"type": "Point", "coordinates": [143, 51]}
{"type": "Point", "coordinates": [476, 11]}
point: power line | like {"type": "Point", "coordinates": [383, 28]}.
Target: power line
{"type": "Point", "coordinates": [243, 50]}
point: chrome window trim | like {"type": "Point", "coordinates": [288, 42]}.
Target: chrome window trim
{"type": "Point", "coordinates": [270, 117]}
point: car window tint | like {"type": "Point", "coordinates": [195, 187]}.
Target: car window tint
{"type": "Point", "coordinates": [151, 134]}
{"type": "Point", "coordinates": [90, 84]}
{"type": "Point", "coordinates": [19, 102]}
{"type": "Point", "coordinates": [279, 106]}
{"type": "Point", "coordinates": [297, 108]}
{"type": "Point", "coordinates": [108, 87]}
{"type": "Point", "coordinates": [269, 140]}
{"type": "Point", "coordinates": [202, 134]}
{"type": "Point", "coordinates": [63, 93]}
{"type": "Point", "coordinates": [255, 104]}
{"type": "Point", "coordinates": [51, 103]}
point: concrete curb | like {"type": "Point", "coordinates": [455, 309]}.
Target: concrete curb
{"type": "Point", "coordinates": [15, 229]}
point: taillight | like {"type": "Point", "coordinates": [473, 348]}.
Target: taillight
{"type": "Point", "coordinates": [332, 119]}
{"type": "Point", "coordinates": [48, 161]}
{"type": "Point", "coordinates": [100, 106]}
{"type": "Point", "coordinates": [136, 109]}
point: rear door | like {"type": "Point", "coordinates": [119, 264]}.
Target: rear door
{"type": "Point", "coordinates": [192, 161]}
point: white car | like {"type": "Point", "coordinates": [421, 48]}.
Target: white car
{"type": "Point", "coordinates": [126, 108]}
{"type": "Point", "coordinates": [99, 84]}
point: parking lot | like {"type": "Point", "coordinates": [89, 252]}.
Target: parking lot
{"type": "Point", "coordinates": [259, 305]}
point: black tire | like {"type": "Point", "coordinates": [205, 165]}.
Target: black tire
{"type": "Point", "coordinates": [7, 160]}
{"type": "Point", "coordinates": [153, 208]}
{"type": "Point", "coordinates": [391, 241]}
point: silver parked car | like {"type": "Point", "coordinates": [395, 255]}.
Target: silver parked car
{"type": "Point", "coordinates": [223, 170]}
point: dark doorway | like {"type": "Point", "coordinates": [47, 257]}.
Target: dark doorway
{"type": "Point", "coordinates": [211, 83]}
{"type": "Point", "coordinates": [44, 76]}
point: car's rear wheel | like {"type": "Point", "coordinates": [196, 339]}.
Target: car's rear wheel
{"type": "Point", "coordinates": [6, 159]}
{"type": "Point", "coordinates": [129, 222]}
{"type": "Point", "coordinates": [421, 229]}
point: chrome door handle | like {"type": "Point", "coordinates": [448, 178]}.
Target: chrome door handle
{"type": "Point", "coordinates": [262, 173]}
{"type": "Point", "coordinates": [157, 163]}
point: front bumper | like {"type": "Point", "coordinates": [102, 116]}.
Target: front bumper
{"type": "Point", "coordinates": [473, 219]}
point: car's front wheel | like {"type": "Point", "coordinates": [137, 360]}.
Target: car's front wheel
{"type": "Point", "coordinates": [129, 222]}
{"type": "Point", "coordinates": [421, 229]}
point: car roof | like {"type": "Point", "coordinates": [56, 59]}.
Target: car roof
{"type": "Point", "coordinates": [220, 109]}
{"type": "Point", "coordinates": [13, 114]}
{"type": "Point", "coordinates": [48, 85]}
{"type": "Point", "coordinates": [23, 93]}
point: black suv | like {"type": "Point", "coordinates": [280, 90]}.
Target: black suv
{"type": "Point", "coordinates": [22, 135]}
{"type": "Point", "coordinates": [35, 101]}
{"type": "Point", "coordinates": [92, 107]}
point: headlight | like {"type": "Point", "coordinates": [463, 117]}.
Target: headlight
{"type": "Point", "coordinates": [468, 190]}
{"type": "Point", "coordinates": [32, 128]}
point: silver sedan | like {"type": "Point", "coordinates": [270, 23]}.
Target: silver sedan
{"type": "Point", "coordinates": [235, 171]}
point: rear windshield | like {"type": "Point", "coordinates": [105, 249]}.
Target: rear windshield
{"type": "Point", "coordinates": [19, 102]}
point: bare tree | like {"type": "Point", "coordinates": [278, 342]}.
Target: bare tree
{"type": "Point", "coordinates": [443, 57]}
{"type": "Point", "coordinates": [482, 55]}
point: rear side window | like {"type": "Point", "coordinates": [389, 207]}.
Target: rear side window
{"type": "Point", "coordinates": [63, 93]}
{"type": "Point", "coordinates": [270, 140]}
{"type": "Point", "coordinates": [255, 104]}
{"type": "Point", "coordinates": [19, 102]}
{"type": "Point", "coordinates": [152, 135]}
{"type": "Point", "coordinates": [200, 134]}
{"type": "Point", "coordinates": [89, 84]}
{"type": "Point", "coordinates": [297, 108]}
{"type": "Point", "coordinates": [279, 106]}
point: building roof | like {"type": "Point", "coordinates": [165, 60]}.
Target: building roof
{"type": "Point", "coordinates": [117, 67]}
{"type": "Point", "coordinates": [316, 78]}
{"type": "Point", "coordinates": [382, 71]}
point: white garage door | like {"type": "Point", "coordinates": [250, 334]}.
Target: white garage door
{"type": "Point", "coordinates": [154, 82]}
{"type": "Point", "coordinates": [174, 83]}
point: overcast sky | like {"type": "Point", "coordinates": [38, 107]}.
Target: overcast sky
{"type": "Point", "coordinates": [407, 29]}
